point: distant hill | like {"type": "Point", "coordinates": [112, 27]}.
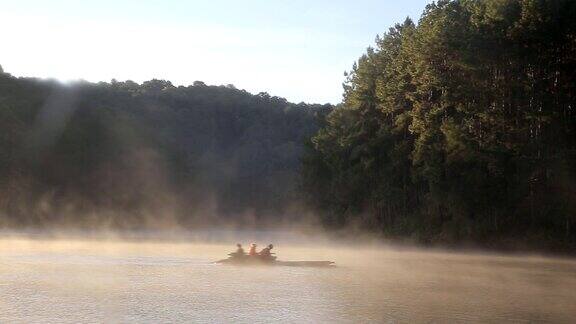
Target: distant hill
{"type": "Point", "coordinates": [133, 155]}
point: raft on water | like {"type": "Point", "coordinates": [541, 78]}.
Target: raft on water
{"type": "Point", "coordinates": [271, 261]}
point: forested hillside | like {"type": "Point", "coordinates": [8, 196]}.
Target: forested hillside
{"type": "Point", "coordinates": [124, 154]}
{"type": "Point", "coordinates": [461, 128]}
{"type": "Point", "coordinates": [458, 128]}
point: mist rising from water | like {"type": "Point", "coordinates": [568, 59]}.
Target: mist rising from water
{"type": "Point", "coordinates": [163, 279]}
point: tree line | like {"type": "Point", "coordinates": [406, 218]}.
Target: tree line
{"type": "Point", "coordinates": [139, 155]}
{"type": "Point", "coordinates": [461, 128]}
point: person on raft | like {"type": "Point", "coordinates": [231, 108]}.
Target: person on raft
{"type": "Point", "coordinates": [239, 253]}
{"type": "Point", "coordinates": [265, 253]}
{"type": "Point", "coordinates": [252, 251]}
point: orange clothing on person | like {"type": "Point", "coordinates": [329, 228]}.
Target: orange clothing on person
{"type": "Point", "coordinates": [252, 251]}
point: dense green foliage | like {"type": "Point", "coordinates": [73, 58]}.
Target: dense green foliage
{"type": "Point", "coordinates": [133, 155]}
{"type": "Point", "coordinates": [460, 128]}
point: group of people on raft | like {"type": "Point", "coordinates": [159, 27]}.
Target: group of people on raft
{"type": "Point", "coordinates": [264, 254]}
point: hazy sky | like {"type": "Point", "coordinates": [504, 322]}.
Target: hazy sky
{"type": "Point", "coordinates": [290, 48]}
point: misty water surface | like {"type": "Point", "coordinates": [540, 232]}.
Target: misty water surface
{"type": "Point", "coordinates": [113, 281]}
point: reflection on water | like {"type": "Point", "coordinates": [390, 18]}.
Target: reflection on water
{"type": "Point", "coordinates": [113, 281]}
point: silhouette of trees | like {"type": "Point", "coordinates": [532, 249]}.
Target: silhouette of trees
{"type": "Point", "coordinates": [460, 128]}
{"type": "Point", "coordinates": [134, 150]}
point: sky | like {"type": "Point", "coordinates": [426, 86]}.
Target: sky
{"type": "Point", "coordinates": [296, 49]}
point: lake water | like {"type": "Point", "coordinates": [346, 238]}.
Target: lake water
{"type": "Point", "coordinates": [115, 281]}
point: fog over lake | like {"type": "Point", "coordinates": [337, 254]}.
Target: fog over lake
{"type": "Point", "coordinates": [70, 280]}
